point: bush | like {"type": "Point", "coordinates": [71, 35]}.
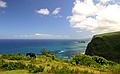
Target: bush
{"type": "Point", "coordinates": [93, 61]}
{"type": "Point", "coordinates": [30, 67]}
{"type": "Point", "coordinates": [86, 72]}
{"type": "Point", "coordinates": [49, 52]}
{"type": "Point", "coordinates": [84, 60]}
{"type": "Point", "coordinates": [54, 69]}
{"type": "Point", "coordinates": [15, 57]}
{"type": "Point", "coordinates": [102, 61]}
{"type": "Point", "coordinates": [116, 69]}
{"type": "Point", "coordinates": [33, 69]}
{"type": "Point", "coordinates": [43, 51]}
{"type": "Point", "coordinates": [48, 64]}
{"type": "Point", "coordinates": [12, 65]}
{"type": "Point", "coordinates": [39, 69]}
{"type": "Point", "coordinates": [64, 70]}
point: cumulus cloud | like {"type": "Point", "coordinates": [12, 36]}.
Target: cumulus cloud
{"type": "Point", "coordinates": [97, 18]}
{"type": "Point", "coordinates": [3, 4]}
{"type": "Point", "coordinates": [41, 35]}
{"type": "Point", "coordinates": [56, 11]}
{"type": "Point", "coordinates": [43, 11]}
{"type": "Point", "coordinates": [103, 1]}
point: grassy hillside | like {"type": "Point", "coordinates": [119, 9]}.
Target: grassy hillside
{"type": "Point", "coordinates": [48, 63]}
{"type": "Point", "coordinates": [106, 45]}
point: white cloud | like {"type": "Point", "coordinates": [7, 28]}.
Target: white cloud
{"type": "Point", "coordinates": [3, 4]}
{"type": "Point", "coordinates": [104, 1]}
{"type": "Point", "coordinates": [97, 18]}
{"type": "Point", "coordinates": [56, 11]}
{"type": "Point", "coordinates": [84, 8]}
{"type": "Point", "coordinates": [41, 35]}
{"type": "Point", "coordinates": [78, 31]}
{"type": "Point", "coordinates": [43, 11]}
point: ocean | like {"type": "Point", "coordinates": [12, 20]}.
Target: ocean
{"type": "Point", "coordinates": [63, 48]}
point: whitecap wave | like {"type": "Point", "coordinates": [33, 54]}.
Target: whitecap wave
{"type": "Point", "coordinates": [61, 51]}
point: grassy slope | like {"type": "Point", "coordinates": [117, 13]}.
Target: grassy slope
{"type": "Point", "coordinates": [48, 63]}
{"type": "Point", "coordinates": [106, 45]}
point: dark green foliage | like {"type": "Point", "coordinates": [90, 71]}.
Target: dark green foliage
{"type": "Point", "coordinates": [91, 61]}
{"type": "Point", "coordinates": [95, 62]}
{"type": "Point", "coordinates": [15, 57]}
{"type": "Point", "coordinates": [86, 72]}
{"type": "Point", "coordinates": [67, 60]}
{"type": "Point", "coordinates": [44, 52]}
{"type": "Point", "coordinates": [84, 60]}
{"type": "Point", "coordinates": [39, 69]}
{"type": "Point", "coordinates": [12, 65]}
{"type": "Point", "coordinates": [34, 69]}
{"type": "Point", "coordinates": [30, 67]}
{"type": "Point", "coordinates": [103, 61]}
{"type": "Point", "coordinates": [106, 45]}
{"type": "Point", "coordinates": [48, 64]}
{"type": "Point", "coordinates": [54, 69]}
{"type": "Point", "coordinates": [49, 52]}
{"type": "Point", "coordinates": [116, 69]}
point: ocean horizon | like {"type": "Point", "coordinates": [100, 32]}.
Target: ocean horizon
{"type": "Point", "coordinates": [63, 48]}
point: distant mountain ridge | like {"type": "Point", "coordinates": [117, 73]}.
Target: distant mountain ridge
{"type": "Point", "coordinates": [106, 45]}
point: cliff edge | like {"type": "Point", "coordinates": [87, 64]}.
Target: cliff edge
{"type": "Point", "coordinates": [106, 45]}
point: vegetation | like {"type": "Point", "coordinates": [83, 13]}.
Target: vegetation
{"type": "Point", "coordinates": [17, 56]}
{"type": "Point", "coordinates": [106, 45]}
{"type": "Point", "coordinates": [80, 64]}
{"type": "Point", "coordinates": [44, 52]}
{"type": "Point", "coordinates": [11, 65]}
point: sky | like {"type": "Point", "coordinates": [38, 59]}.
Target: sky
{"type": "Point", "coordinates": [58, 19]}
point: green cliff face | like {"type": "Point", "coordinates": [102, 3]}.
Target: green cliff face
{"type": "Point", "coordinates": [106, 45]}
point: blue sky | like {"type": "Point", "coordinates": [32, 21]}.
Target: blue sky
{"type": "Point", "coordinates": [55, 19]}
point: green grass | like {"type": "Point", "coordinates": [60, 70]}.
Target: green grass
{"type": "Point", "coordinates": [15, 72]}
{"type": "Point", "coordinates": [80, 64]}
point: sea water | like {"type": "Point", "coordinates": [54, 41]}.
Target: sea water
{"type": "Point", "coordinates": [61, 47]}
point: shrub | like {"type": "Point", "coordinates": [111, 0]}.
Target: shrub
{"type": "Point", "coordinates": [116, 69]}
{"type": "Point", "coordinates": [84, 60]}
{"type": "Point", "coordinates": [94, 61]}
{"type": "Point", "coordinates": [43, 51]}
{"type": "Point", "coordinates": [64, 70]}
{"type": "Point", "coordinates": [34, 69]}
{"type": "Point", "coordinates": [30, 66]}
{"type": "Point", "coordinates": [49, 52]}
{"type": "Point", "coordinates": [48, 64]}
{"type": "Point", "coordinates": [54, 69]}
{"type": "Point", "coordinates": [15, 57]}
{"type": "Point", "coordinates": [39, 69]}
{"type": "Point", "coordinates": [12, 65]}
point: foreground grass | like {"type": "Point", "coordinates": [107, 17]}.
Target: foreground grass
{"type": "Point", "coordinates": [15, 72]}
{"type": "Point", "coordinates": [48, 63]}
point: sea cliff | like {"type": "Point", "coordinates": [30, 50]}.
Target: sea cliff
{"type": "Point", "coordinates": [106, 45]}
